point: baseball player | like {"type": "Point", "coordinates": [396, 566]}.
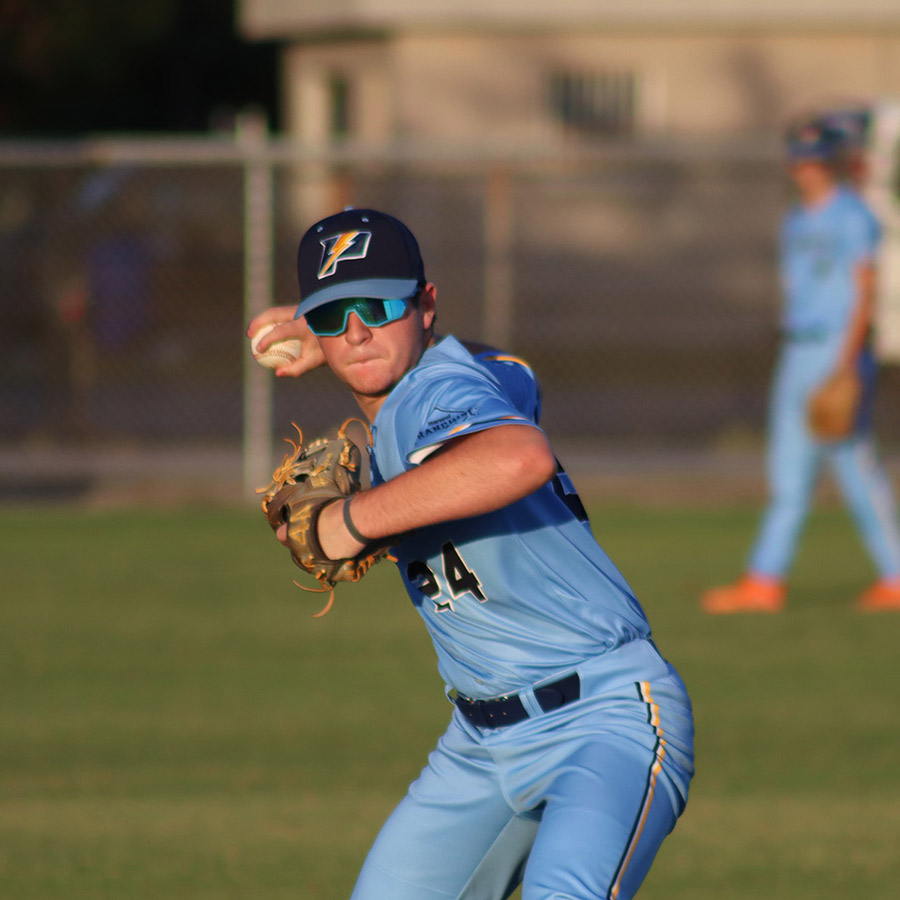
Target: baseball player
{"type": "Point", "coordinates": [568, 755]}
{"type": "Point", "coordinates": [828, 245]}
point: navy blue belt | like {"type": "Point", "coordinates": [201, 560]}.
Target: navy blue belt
{"type": "Point", "coordinates": [500, 711]}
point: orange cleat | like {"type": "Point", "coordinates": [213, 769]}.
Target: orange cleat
{"type": "Point", "coordinates": [882, 596]}
{"type": "Point", "coordinates": [751, 594]}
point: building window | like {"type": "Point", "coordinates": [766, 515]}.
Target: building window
{"type": "Point", "coordinates": [594, 103]}
{"type": "Point", "coordinates": [339, 104]}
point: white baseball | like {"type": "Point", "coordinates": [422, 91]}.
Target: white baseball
{"type": "Point", "coordinates": [278, 354]}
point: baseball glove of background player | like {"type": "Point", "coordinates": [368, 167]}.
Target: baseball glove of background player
{"type": "Point", "coordinates": [834, 405]}
{"type": "Point", "coordinates": [308, 479]}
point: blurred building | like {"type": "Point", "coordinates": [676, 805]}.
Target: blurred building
{"type": "Point", "coordinates": [595, 185]}
{"type": "Point", "coordinates": [528, 70]}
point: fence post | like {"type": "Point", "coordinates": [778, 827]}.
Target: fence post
{"type": "Point", "coordinates": [498, 300]}
{"type": "Point", "coordinates": [251, 134]}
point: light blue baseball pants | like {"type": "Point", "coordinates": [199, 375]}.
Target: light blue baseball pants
{"type": "Point", "coordinates": [794, 458]}
{"type": "Point", "coordinates": [574, 803]}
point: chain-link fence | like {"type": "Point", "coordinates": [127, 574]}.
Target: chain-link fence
{"type": "Point", "coordinates": [639, 281]}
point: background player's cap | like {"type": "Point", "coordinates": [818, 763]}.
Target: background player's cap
{"type": "Point", "coordinates": [813, 139]}
{"type": "Point", "coordinates": [357, 253]}
{"type": "Point", "coordinates": [852, 124]}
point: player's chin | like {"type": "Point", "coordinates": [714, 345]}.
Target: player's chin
{"type": "Point", "coordinates": [371, 389]}
{"type": "Point", "coordinates": [369, 379]}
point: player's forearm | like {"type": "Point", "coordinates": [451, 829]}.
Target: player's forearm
{"type": "Point", "coordinates": [474, 475]}
{"type": "Point", "coordinates": [861, 318]}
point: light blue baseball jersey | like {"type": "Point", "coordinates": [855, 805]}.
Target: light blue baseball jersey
{"type": "Point", "coordinates": [820, 250]}
{"type": "Point", "coordinates": [513, 596]}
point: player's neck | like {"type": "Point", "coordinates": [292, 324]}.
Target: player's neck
{"type": "Point", "coordinates": [369, 404]}
{"type": "Point", "coordinates": [818, 195]}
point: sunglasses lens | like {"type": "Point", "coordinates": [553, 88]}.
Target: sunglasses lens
{"type": "Point", "coordinates": [331, 319]}
{"type": "Point", "coordinates": [372, 312]}
{"type": "Point", "coordinates": [390, 310]}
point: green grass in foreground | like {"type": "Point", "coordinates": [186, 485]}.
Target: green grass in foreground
{"type": "Point", "coordinates": [173, 723]}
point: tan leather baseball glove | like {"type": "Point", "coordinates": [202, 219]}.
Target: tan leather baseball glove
{"type": "Point", "coordinates": [311, 476]}
{"type": "Point", "coordinates": [833, 406]}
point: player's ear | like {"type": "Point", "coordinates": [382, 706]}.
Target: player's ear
{"type": "Point", "coordinates": [426, 304]}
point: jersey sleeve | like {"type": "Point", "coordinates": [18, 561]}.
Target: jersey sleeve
{"type": "Point", "coordinates": [517, 380]}
{"type": "Point", "coordinates": [862, 235]}
{"type": "Point", "coordinates": [461, 400]}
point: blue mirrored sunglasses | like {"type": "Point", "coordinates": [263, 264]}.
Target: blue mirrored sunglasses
{"type": "Point", "coordinates": [330, 319]}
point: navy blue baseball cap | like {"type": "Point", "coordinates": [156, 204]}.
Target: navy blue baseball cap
{"type": "Point", "coordinates": [357, 253]}
{"type": "Point", "coordinates": [851, 124]}
{"type": "Point", "coordinates": [813, 140]}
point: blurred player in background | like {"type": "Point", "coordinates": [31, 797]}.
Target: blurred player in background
{"type": "Point", "coordinates": [828, 245]}
{"type": "Point", "coordinates": [570, 748]}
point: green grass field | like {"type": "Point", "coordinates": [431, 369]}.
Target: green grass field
{"type": "Point", "coordinates": [173, 723]}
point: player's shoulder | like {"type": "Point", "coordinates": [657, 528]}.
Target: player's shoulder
{"type": "Point", "coordinates": [851, 202]}
{"type": "Point", "coordinates": [448, 358]}
{"type": "Point", "coordinates": [493, 357]}
{"type": "Point", "coordinates": [506, 366]}
{"type": "Point", "coordinates": [449, 373]}
{"type": "Point", "coordinates": [857, 214]}
{"type": "Point", "coordinates": [517, 380]}
{"type": "Point", "coordinates": [447, 393]}
{"type": "Point", "coordinates": [444, 367]}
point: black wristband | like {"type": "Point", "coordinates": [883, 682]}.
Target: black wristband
{"type": "Point", "coordinates": [348, 524]}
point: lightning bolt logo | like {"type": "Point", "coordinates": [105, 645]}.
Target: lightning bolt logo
{"type": "Point", "coordinates": [349, 245]}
